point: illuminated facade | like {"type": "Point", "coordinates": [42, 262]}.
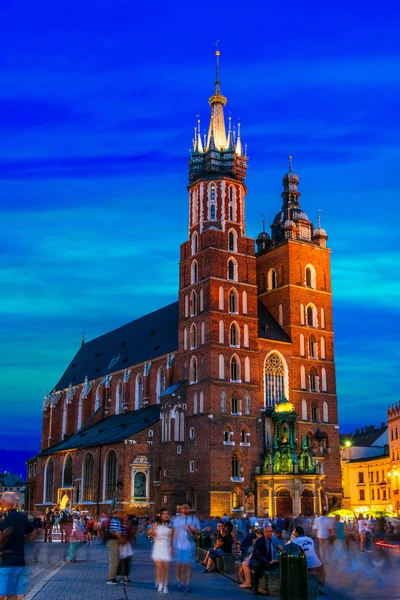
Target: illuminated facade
{"type": "Point", "coordinates": [226, 397]}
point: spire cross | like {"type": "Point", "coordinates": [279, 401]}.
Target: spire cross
{"type": "Point", "coordinates": [290, 163]}
{"type": "Point", "coordinates": [319, 218]}
{"type": "Point", "coordinates": [263, 223]}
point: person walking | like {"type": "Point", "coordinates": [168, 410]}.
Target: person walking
{"type": "Point", "coordinates": [66, 523]}
{"type": "Point", "coordinates": [48, 525]}
{"type": "Point", "coordinates": [15, 530]}
{"type": "Point", "coordinates": [76, 538]}
{"type": "Point", "coordinates": [323, 527]}
{"type": "Point", "coordinates": [162, 549]}
{"type": "Point", "coordinates": [114, 538]}
{"type": "Point", "coordinates": [361, 523]}
{"type": "Point", "coordinates": [261, 559]}
{"type": "Point", "coordinates": [185, 527]}
{"type": "Point", "coordinates": [125, 549]}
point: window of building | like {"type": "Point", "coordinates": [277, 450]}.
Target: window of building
{"type": "Point", "coordinates": [362, 494]}
{"type": "Point", "coordinates": [301, 314]}
{"type": "Point", "coordinates": [186, 305]}
{"type": "Point", "coordinates": [160, 384]}
{"type": "Point", "coordinates": [49, 481]}
{"type": "Point", "coordinates": [272, 279]}
{"type": "Point", "coordinates": [233, 302]}
{"type": "Point", "coordinates": [247, 404]}
{"type": "Point", "coordinates": [193, 336]}
{"type": "Point", "coordinates": [274, 380]}
{"type": "Point", "coordinates": [30, 470]}
{"type": "Point", "coordinates": [193, 303]}
{"type": "Point", "coordinates": [221, 332]}
{"type": "Point", "coordinates": [193, 370]}
{"type": "Point", "coordinates": [384, 494]}
{"type": "Point", "coordinates": [201, 403]}
{"type": "Point", "coordinates": [313, 381]}
{"type": "Point", "coordinates": [67, 474]}
{"type": "Point", "coordinates": [311, 316]}
{"type": "Point", "coordinates": [304, 410]}
{"type": "Point", "coordinates": [235, 501]}
{"type": "Point", "coordinates": [185, 344]}
{"type": "Point", "coordinates": [232, 270]}
{"type": "Point", "coordinates": [303, 377]}
{"type": "Point", "coordinates": [247, 369]}
{"type": "Point", "coordinates": [110, 475]}
{"type": "Point", "coordinates": [280, 315]}
{"type": "Point", "coordinates": [139, 392]}
{"type": "Point", "coordinates": [194, 272]}
{"type": "Point", "coordinates": [179, 430]}
{"type": "Point", "coordinates": [372, 494]}
{"type": "Point", "coordinates": [212, 212]}
{"type": "Point", "coordinates": [324, 387]}
{"type": "Point", "coordinates": [191, 433]}
{"type": "Point", "coordinates": [378, 491]}
{"type": "Point", "coordinates": [234, 335]}
{"type": "Point", "coordinates": [244, 303]}
{"type": "Point", "coordinates": [228, 435]}
{"type": "Point", "coordinates": [235, 405]}
{"type": "Point", "coordinates": [322, 318]}
{"type": "Point", "coordinates": [221, 366]}
{"type": "Point", "coordinates": [397, 435]}
{"type": "Point", "coordinates": [235, 369]}
{"type": "Point", "coordinates": [360, 477]}
{"type": "Point", "coordinates": [302, 352]}
{"type": "Point", "coordinates": [87, 492]}
{"type": "Point", "coordinates": [325, 412]}
{"type": "Point", "coordinates": [310, 277]}
{"type": "Point", "coordinates": [195, 403]}
{"type": "Point", "coordinates": [179, 449]}
{"type": "Point", "coordinates": [232, 240]}
{"type": "Point", "coordinates": [221, 298]}
{"type": "Point", "coordinates": [391, 435]}
{"type": "Point", "coordinates": [312, 347]}
{"type": "Point", "coordinates": [223, 402]}
{"type": "Point", "coordinates": [314, 413]}
{"type": "Point", "coordinates": [245, 437]}
{"type": "Point", "coordinates": [203, 332]}
{"type": "Point", "coordinates": [246, 341]}
{"type": "Point", "coordinates": [235, 467]}
{"type": "Point", "coordinates": [191, 466]}
{"type": "Point", "coordinates": [34, 470]}
{"type": "Point", "coordinates": [195, 243]}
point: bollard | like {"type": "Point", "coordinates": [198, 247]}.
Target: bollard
{"type": "Point", "coordinates": [293, 573]}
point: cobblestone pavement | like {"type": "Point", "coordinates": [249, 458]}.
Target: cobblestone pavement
{"type": "Point", "coordinates": [361, 578]}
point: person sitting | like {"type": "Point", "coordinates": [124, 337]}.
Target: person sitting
{"type": "Point", "coordinates": [245, 570]}
{"type": "Point", "coordinates": [223, 546]}
{"type": "Point", "coordinates": [262, 557]}
{"type": "Point", "coordinates": [313, 562]}
{"type": "Point", "coordinates": [246, 543]}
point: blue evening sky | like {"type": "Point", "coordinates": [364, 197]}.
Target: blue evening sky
{"type": "Point", "coordinates": [97, 105]}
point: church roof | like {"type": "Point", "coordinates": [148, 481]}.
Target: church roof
{"type": "Point", "coordinates": [109, 430]}
{"type": "Point", "coordinates": [268, 328]}
{"type": "Point", "coordinates": [143, 339]}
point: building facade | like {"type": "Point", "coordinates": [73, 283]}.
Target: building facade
{"type": "Point", "coordinates": [394, 454]}
{"type": "Point", "coordinates": [226, 397]}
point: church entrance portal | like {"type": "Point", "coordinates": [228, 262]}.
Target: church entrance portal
{"type": "Point", "coordinates": [284, 504]}
{"type": "Point", "coordinates": [307, 503]}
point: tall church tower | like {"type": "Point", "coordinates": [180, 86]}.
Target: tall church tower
{"type": "Point", "coordinates": [294, 284]}
{"type": "Point", "coordinates": [218, 324]}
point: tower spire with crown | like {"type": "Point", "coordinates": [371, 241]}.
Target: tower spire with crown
{"type": "Point", "coordinates": [216, 131]}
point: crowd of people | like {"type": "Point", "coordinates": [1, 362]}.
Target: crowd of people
{"type": "Point", "coordinates": [257, 542]}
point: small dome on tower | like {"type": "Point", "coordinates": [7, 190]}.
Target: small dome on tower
{"type": "Point", "coordinates": [320, 232]}
{"type": "Point", "coordinates": [288, 224]}
{"type": "Point", "coordinates": [290, 177]}
{"type": "Point", "coordinates": [263, 235]}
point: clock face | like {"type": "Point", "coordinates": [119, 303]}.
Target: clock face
{"type": "Point", "coordinates": [114, 361]}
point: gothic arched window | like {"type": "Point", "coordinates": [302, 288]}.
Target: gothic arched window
{"type": "Point", "coordinates": [313, 381]}
{"type": "Point", "coordinates": [194, 272]}
{"type": "Point", "coordinates": [193, 336]}
{"type": "Point", "coordinates": [160, 385]}
{"type": "Point", "coordinates": [193, 370]}
{"type": "Point", "coordinates": [193, 303]}
{"type": "Point", "coordinates": [139, 392]}
{"type": "Point", "coordinates": [110, 475]}
{"type": "Point", "coordinates": [274, 380]}
{"type": "Point", "coordinates": [234, 335]}
{"type": "Point", "coordinates": [212, 192]}
{"type": "Point", "coordinates": [247, 404]}
{"type": "Point", "coordinates": [312, 347]}
{"type": "Point", "coordinates": [233, 301]}
{"type": "Point", "coordinates": [212, 212]}
{"type": "Point", "coordinates": [232, 269]}
{"type": "Point", "coordinates": [118, 398]}
{"type": "Point", "coordinates": [223, 402]}
{"type": "Point", "coordinates": [235, 467]}
{"type": "Point", "coordinates": [88, 478]}
{"type": "Point", "coordinates": [67, 472]}
{"type": "Point", "coordinates": [272, 279]}
{"type": "Point", "coordinates": [232, 240]}
{"type": "Point", "coordinates": [195, 243]}
{"type": "Point", "coordinates": [235, 369]}
{"type": "Point", "coordinates": [49, 481]}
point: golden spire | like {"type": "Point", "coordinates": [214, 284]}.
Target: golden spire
{"type": "Point", "coordinates": [216, 131]}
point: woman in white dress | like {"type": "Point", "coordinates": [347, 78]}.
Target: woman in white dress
{"type": "Point", "coordinates": [162, 550]}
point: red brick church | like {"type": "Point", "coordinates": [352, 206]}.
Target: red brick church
{"type": "Point", "coordinates": [226, 397]}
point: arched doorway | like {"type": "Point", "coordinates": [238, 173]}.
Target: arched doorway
{"type": "Point", "coordinates": [307, 503]}
{"type": "Point", "coordinates": [284, 505]}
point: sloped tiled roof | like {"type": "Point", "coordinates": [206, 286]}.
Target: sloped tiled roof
{"type": "Point", "coordinates": [140, 340]}
{"type": "Point", "coordinates": [143, 339]}
{"type": "Point", "coordinates": [367, 437]}
{"type": "Point", "coordinates": [109, 430]}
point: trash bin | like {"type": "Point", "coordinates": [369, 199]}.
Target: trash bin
{"type": "Point", "coordinates": [293, 573]}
